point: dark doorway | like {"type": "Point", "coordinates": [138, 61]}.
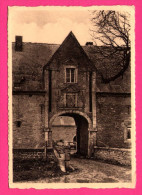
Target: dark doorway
{"type": "Point", "coordinates": [74, 129]}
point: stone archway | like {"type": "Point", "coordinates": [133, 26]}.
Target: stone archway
{"type": "Point", "coordinates": [90, 126]}
{"type": "Point", "coordinates": [84, 126]}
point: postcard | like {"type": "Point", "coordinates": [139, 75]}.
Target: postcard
{"type": "Point", "coordinates": [71, 89]}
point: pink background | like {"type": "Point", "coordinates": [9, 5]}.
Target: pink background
{"type": "Point", "coordinates": [4, 95]}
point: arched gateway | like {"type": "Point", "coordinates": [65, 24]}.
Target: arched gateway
{"type": "Point", "coordinates": [70, 82]}
{"type": "Point", "coordinates": [83, 127]}
{"type": "Point", "coordinates": [67, 87]}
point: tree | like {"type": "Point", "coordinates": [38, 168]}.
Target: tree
{"type": "Point", "coordinates": [112, 30]}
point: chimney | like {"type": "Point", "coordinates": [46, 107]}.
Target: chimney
{"type": "Point", "coordinates": [89, 43]}
{"type": "Point", "coordinates": [18, 43]}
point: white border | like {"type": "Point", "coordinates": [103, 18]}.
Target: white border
{"type": "Point", "coordinates": [131, 10]}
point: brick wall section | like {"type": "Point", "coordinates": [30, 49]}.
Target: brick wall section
{"type": "Point", "coordinates": [19, 154]}
{"type": "Point", "coordinates": [33, 154]}
{"type": "Point", "coordinates": [65, 133]}
{"type": "Point", "coordinates": [27, 109]}
{"type": "Point", "coordinates": [113, 155]}
{"type": "Point", "coordinates": [112, 112]}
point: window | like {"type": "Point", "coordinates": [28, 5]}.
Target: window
{"type": "Point", "coordinates": [71, 75]}
{"type": "Point", "coordinates": [127, 134]}
{"type": "Point", "coordinates": [18, 123]}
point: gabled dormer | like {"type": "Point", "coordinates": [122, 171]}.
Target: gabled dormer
{"type": "Point", "coordinates": [70, 53]}
{"type": "Point", "coordinates": [69, 77]}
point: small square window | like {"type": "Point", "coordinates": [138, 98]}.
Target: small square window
{"type": "Point", "coordinates": [128, 133]}
{"type": "Point", "coordinates": [18, 123]}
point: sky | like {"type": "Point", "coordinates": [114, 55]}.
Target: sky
{"type": "Point", "coordinates": [50, 25]}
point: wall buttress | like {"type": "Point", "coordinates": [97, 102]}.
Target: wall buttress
{"type": "Point", "coordinates": [46, 78]}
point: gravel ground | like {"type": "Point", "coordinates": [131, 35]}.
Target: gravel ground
{"type": "Point", "coordinates": [90, 171]}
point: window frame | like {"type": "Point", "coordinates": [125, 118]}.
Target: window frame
{"type": "Point", "coordinates": [75, 74]}
{"type": "Point", "coordinates": [126, 139]}
{"type": "Point", "coordinates": [128, 130]}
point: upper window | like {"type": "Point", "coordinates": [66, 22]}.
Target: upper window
{"type": "Point", "coordinates": [71, 75]}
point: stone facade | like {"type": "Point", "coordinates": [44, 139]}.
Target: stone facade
{"type": "Point", "coordinates": [28, 154]}
{"type": "Point", "coordinates": [41, 93]}
{"type": "Point", "coordinates": [112, 112]}
{"type": "Point", "coordinates": [28, 121]}
{"type": "Point", "coordinates": [71, 98]}
{"type": "Point", "coordinates": [66, 133]}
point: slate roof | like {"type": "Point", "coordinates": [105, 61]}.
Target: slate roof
{"type": "Point", "coordinates": [27, 68]}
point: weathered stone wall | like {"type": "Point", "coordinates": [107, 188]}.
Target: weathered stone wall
{"type": "Point", "coordinates": [112, 112]}
{"type": "Point", "coordinates": [65, 133]}
{"type": "Point", "coordinates": [113, 155]}
{"type": "Point", "coordinates": [28, 154]}
{"type": "Point", "coordinates": [29, 111]}
{"type": "Point", "coordinates": [59, 88]}
{"type": "Point", "coordinates": [69, 54]}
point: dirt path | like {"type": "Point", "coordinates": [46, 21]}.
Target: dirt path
{"type": "Point", "coordinates": [90, 171]}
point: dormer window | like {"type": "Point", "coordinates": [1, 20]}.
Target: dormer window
{"type": "Point", "coordinates": [71, 75]}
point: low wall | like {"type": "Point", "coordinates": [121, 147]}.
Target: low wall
{"type": "Point", "coordinates": [113, 155]}
{"type": "Point", "coordinates": [32, 154]}
{"type": "Point", "coordinates": [28, 154]}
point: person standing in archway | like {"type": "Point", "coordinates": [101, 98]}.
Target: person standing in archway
{"type": "Point", "coordinates": [58, 148]}
{"type": "Point", "coordinates": [62, 152]}
{"type": "Point", "coordinates": [67, 156]}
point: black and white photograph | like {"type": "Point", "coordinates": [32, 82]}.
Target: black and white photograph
{"type": "Point", "coordinates": [71, 78]}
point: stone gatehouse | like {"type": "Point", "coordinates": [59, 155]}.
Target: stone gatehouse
{"type": "Point", "coordinates": [51, 81]}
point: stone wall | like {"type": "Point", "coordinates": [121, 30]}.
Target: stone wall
{"type": "Point", "coordinates": [69, 54]}
{"type": "Point", "coordinates": [28, 109]}
{"type": "Point", "coordinates": [28, 121]}
{"type": "Point", "coordinates": [28, 154]}
{"type": "Point", "coordinates": [113, 111]}
{"type": "Point", "coordinates": [66, 133]}
{"type": "Point", "coordinates": [113, 155]}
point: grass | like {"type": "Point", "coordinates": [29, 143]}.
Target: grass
{"type": "Point", "coordinates": [31, 170]}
